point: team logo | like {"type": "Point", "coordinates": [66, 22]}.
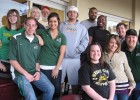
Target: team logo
{"type": "Point", "coordinates": [58, 40]}
{"type": "Point", "coordinates": [138, 54]}
{"type": "Point", "coordinates": [36, 47]}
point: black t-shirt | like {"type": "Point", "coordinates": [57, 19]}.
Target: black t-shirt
{"type": "Point", "coordinates": [99, 35]}
{"type": "Point", "coordinates": [97, 77]}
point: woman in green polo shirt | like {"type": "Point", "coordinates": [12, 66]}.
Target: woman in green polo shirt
{"type": "Point", "coordinates": [6, 32]}
{"type": "Point", "coordinates": [52, 52]}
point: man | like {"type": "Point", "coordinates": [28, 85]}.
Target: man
{"type": "Point", "coordinates": [77, 41]}
{"type": "Point", "coordinates": [45, 12]}
{"type": "Point", "coordinates": [23, 55]}
{"type": "Point", "coordinates": [89, 23]}
{"type": "Point", "coordinates": [36, 13]}
{"type": "Point", "coordinates": [131, 48]}
{"type": "Point", "coordinates": [92, 18]}
{"type": "Point", "coordinates": [121, 29]}
{"type": "Point", "coordinates": [99, 33]}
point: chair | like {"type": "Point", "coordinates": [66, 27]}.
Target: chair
{"type": "Point", "coordinates": [9, 90]}
{"type": "Point", "coordinates": [71, 97]}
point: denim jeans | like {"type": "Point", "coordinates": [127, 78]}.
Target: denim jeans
{"type": "Point", "coordinates": [136, 92]}
{"type": "Point", "coordinates": [56, 82]}
{"type": "Point", "coordinates": [121, 97]}
{"type": "Point", "coordinates": [43, 84]}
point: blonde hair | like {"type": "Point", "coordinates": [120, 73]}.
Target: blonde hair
{"type": "Point", "coordinates": [36, 8]}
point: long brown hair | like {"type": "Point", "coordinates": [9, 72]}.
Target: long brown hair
{"type": "Point", "coordinates": [101, 61]}
{"type": "Point", "coordinates": [18, 23]}
{"type": "Point", "coordinates": [116, 37]}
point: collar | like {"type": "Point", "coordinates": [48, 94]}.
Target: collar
{"type": "Point", "coordinates": [48, 33]}
{"type": "Point", "coordinates": [106, 53]}
{"type": "Point", "coordinates": [24, 36]}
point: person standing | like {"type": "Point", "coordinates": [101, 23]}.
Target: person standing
{"type": "Point", "coordinates": [23, 54]}
{"type": "Point", "coordinates": [131, 47]}
{"type": "Point", "coordinates": [6, 32]}
{"type": "Point", "coordinates": [121, 29]}
{"type": "Point", "coordinates": [52, 52]}
{"type": "Point", "coordinates": [91, 21]}
{"type": "Point", "coordinates": [36, 13]}
{"type": "Point", "coordinates": [96, 77]}
{"type": "Point", "coordinates": [119, 64]}
{"type": "Point", "coordinates": [77, 41]}
{"type": "Point", "coordinates": [99, 33]}
{"type": "Point", "coordinates": [45, 11]}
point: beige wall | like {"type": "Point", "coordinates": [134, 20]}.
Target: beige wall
{"type": "Point", "coordinates": [122, 8]}
{"type": "Point", "coordinates": [137, 15]}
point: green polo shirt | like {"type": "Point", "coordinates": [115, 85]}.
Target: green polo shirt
{"type": "Point", "coordinates": [134, 61]}
{"type": "Point", "coordinates": [5, 36]}
{"type": "Point", "coordinates": [51, 49]}
{"type": "Point", "coordinates": [25, 52]}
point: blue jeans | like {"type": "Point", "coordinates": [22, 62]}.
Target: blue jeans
{"type": "Point", "coordinates": [27, 90]}
{"type": "Point", "coordinates": [56, 82]}
{"type": "Point", "coordinates": [136, 92]}
{"type": "Point", "coordinates": [121, 97]}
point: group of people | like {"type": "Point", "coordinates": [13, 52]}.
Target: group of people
{"type": "Point", "coordinates": [43, 53]}
{"type": "Point", "coordinates": [112, 66]}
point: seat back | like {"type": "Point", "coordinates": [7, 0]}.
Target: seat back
{"type": "Point", "coordinates": [9, 90]}
{"type": "Point", "coordinates": [71, 97]}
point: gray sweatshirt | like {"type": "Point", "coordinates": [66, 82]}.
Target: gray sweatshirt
{"type": "Point", "coordinates": [77, 38]}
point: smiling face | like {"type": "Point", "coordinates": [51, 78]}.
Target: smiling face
{"type": "Point", "coordinates": [72, 15]}
{"type": "Point", "coordinates": [30, 26]}
{"type": "Point", "coordinates": [35, 13]}
{"type": "Point", "coordinates": [92, 14]}
{"type": "Point", "coordinates": [131, 41]}
{"type": "Point", "coordinates": [12, 18]}
{"type": "Point", "coordinates": [112, 45]}
{"type": "Point", "coordinates": [121, 31]}
{"type": "Point", "coordinates": [53, 23]}
{"type": "Point", "coordinates": [95, 53]}
{"type": "Point", "coordinates": [45, 12]}
{"type": "Point", "coordinates": [101, 21]}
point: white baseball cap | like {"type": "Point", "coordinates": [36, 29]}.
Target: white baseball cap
{"type": "Point", "coordinates": [73, 8]}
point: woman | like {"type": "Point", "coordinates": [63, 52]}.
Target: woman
{"type": "Point", "coordinates": [96, 77]}
{"type": "Point", "coordinates": [119, 64]}
{"type": "Point", "coordinates": [6, 32]}
{"type": "Point", "coordinates": [52, 52]}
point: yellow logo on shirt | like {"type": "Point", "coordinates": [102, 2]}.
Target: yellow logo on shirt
{"type": "Point", "coordinates": [7, 34]}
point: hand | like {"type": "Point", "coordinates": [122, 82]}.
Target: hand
{"type": "Point", "coordinates": [30, 77]}
{"type": "Point", "coordinates": [41, 42]}
{"type": "Point", "coordinates": [2, 67]}
{"type": "Point", "coordinates": [37, 76]}
{"type": "Point", "coordinates": [55, 72]}
{"type": "Point", "coordinates": [130, 90]}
